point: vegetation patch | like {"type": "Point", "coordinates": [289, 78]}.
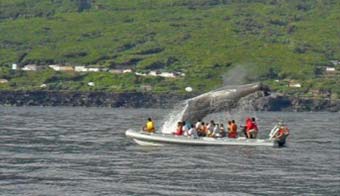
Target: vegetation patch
{"type": "Point", "coordinates": [205, 39]}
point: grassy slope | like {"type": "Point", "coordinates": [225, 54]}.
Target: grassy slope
{"type": "Point", "coordinates": [271, 38]}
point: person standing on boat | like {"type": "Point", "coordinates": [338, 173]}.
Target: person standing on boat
{"type": "Point", "coordinates": [251, 128]}
{"type": "Point", "coordinates": [149, 126]}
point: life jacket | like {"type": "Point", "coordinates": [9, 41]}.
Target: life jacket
{"type": "Point", "coordinates": [233, 128]}
{"type": "Point", "coordinates": [249, 124]}
{"type": "Point", "coordinates": [179, 130]}
{"type": "Point", "coordinates": [232, 135]}
{"type": "Point", "coordinates": [280, 133]}
{"type": "Point", "coordinates": [233, 131]}
{"type": "Point", "coordinates": [150, 126]}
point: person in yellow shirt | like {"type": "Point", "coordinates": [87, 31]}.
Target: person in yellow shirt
{"type": "Point", "coordinates": [149, 126]}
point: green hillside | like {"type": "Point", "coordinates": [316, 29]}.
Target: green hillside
{"type": "Point", "coordinates": [271, 39]}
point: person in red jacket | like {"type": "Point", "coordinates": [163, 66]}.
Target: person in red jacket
{"type": "Point", "coordinates": [251, 128]}
{"type": "Point", "coordinates": [179, 130]}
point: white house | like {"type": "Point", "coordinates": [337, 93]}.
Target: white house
{"type": "Point", "coordinates": [161, 74]}
{"type": "Point", "coordinates": [55, 67]}
{"type": "Point", "coordinates": [3, 81]}
{"type": "Point", "coordinates": [140, 74]}
{"type": "Point", "coordinates": [66, 68]}
{"type": "Point", "coordinates": [127, 71]}
{"type": "Point", "coordinates": [14, 66]}
{"type": "Point", "coordinates": [167, 75]}
{"type": "Point", "coordinates": [80, 69]}
{"type": "Point", "coordinates": [93, 69]}
{"type": "Point", "coordinates": [153, 73]}
{"type": "Point", "coordinates": [61, 68]}
{"type": "Point", "coordinates": [32, 67]}
{"type": "Point", "coordinates": [330, 69]}
{"type": "Point", "coordinates": [295, 85]}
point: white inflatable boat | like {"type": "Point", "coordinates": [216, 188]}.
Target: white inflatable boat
{"type": "Point", "coordinates": [159, 139]}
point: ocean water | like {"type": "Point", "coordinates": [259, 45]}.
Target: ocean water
{"type": "Point", "coordinates": [83, 151]}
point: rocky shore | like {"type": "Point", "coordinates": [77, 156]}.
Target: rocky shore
{"type": "Point", "coordinates": [298, 104]}
{"type": "Point", "coordinates": [140, 100]}
{"type": "Point", "coordinates": [88, 99]}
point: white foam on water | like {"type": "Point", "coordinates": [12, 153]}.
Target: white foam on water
{"type": "Point", "coordinates": [170, 123]}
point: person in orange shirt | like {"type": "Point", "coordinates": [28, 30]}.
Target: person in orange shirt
{"type": "Point", "coordinates": [251, 128]}
{"type": "Point", "coordinates": [232, 129]}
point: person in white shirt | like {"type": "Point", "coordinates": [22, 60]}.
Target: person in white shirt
{"type": "Point", "coordinates": [216, 130]}
{"type": "Point", "coordinates": [210, 128]}
{"type": "Point", "coordinates": [192, 132]}
{"type": "Point", "coordinates": [198, 125]}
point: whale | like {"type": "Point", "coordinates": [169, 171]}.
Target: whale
{"type": "Point", "coordinates": [225, 98]}
{"type": "Point", "coordinates": [221, 99]}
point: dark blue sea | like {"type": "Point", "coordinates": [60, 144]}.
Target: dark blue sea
{"type": "Point", "coordinates": [83, 151]}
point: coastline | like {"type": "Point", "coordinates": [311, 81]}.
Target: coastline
{"type": "Point", "coordinates": [89, 99]}
{"type": "Point", "coordinates": [152, 100]}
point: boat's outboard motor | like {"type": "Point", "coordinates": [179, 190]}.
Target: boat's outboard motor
{"type": "Point", "coordinates": [279, 133]}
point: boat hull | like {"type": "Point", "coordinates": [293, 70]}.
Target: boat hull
{"type": "Point", "coordinates": [157, 139]}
